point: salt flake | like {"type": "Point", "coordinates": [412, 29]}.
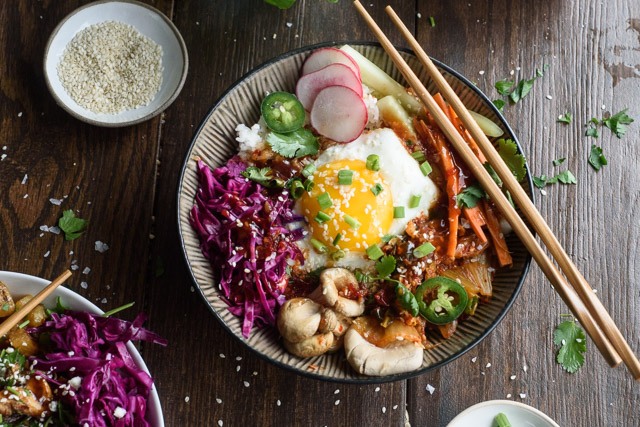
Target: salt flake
{"type": "Point", "coordinates": [101, 246]}
{"type": "Point", "coordinates": [430, 388]}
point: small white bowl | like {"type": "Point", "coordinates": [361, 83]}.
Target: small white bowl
{"type": "Point", "coordinates": [149, 22]}
{"type": "Point", "coordinates": [22, 284]}
{"type": "Point", "coordinates": [483, 414]}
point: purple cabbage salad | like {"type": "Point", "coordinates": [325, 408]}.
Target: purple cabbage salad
{"type": "Point", "coordinates": [244, 230]}
{"type": "Point", "coordinates": [92, 370]}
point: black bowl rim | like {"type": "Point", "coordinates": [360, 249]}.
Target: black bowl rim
{"type": "Point", "coordinates": [361, 379]}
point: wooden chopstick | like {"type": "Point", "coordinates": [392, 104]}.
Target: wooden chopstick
{"type": "Point", "coordinates": [17, 316]}
{"type": "Point", "coordinates": [568, 295]}
{"type": "Point", "coordinates": [597, 311]}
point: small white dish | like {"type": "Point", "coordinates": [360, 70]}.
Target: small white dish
{"type": "Point", "coordinates": [149, 22]}
{"type": "Point", "coordinates": [22, 284]}
{"type": "Point", "coordinates": [483, 414]}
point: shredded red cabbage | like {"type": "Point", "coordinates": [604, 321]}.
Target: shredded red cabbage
{"type": "Point", "coordinates": [243, 231]}
{"type": "Point", "coordinates": [94, 348]}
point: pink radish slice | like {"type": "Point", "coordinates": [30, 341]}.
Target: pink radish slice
{"type": "Point", "coordinates": [310, 85]}
{"type": "Point", "coordinates": [339, 114]}
{"type": "Point", "coordinates": [327, 56]}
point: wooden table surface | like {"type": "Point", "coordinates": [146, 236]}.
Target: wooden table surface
{"type": "Point", "coordinates": [124, 181]}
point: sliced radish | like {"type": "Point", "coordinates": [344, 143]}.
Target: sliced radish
{"type": "Point", "coordinates": [327, 56]}
{"type": "Point", "coordinates": [339, 114]}
{"type": "Point", "coordinates": [310, 85]}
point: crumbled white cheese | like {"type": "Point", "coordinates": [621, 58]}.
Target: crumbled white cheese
{"type": "Point", "coordinates": [250, 139]}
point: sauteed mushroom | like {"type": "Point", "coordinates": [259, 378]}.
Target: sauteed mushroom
{"type": "Point", "coordinates": [335, 285]}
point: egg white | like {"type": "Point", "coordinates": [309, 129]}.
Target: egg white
{"type": "Point", "coordinates": [403, 176]}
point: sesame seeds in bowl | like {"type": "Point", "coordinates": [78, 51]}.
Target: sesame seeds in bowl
{"type": "Point", "coordinates": [115, 63]}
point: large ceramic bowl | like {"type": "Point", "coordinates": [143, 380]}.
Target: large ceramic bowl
{"type": "Point", "coordinates": [215, 143]}
{"type": "Point", "coordinates": [22, 284]}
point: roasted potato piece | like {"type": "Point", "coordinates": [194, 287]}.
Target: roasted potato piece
{"type": "Point", "coordinates": [22, 341]}
{"type": "Point", "coordinates": [37, 316]}
{"type": "Point", "coordinates": [7, 305]}
{"type": "Point", "coordinates": [22, 301]}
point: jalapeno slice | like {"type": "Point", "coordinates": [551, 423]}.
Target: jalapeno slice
{"type": "Point", "coordinates": [441, 300]}
{"type": "Point", "coordinates": [282, 112]}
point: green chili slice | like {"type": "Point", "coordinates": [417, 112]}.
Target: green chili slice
{"type": "Point", "coordinates": [441, 300]}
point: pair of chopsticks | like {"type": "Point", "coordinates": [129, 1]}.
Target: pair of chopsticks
{"type": "Point", "coordinates": [17, 316]}
{"type": "Point", "coordinates": [579, 297]}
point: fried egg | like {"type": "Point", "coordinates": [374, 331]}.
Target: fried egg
{"type": "Point", "coordinates": [351, 207]}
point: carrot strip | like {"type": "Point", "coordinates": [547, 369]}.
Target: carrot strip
{"type": "Point", "coordinates": [499, 244]}
{"type": "Point", "coordinates": [466, 135]}
{"type": "Point", "coordinates": [452, 174]}
{"type": "Point", "coordinates": [442, 104]}
{"type": "Point", "coordinates": [476, 220]}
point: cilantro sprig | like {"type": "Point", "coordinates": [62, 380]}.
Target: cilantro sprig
{"type": "Point", "coordinates": [470, 196]}
{"type": "Point", "coordinates": [573, 344]}
{"type": "Point", "coordinates": [515, 92]}
{"type": "Point", "coordinates": [508, 150]}
{"type": "Point", "coordinates": [72, 226]}
{"type": "Point", "coordinates": [617, 123]}
{"type": "Point", "coordinates": [263, 176]}
{"type": "Point", "coordinates": [565, 177]}
{"type": "Point", "coordinates": [565, 118]}
{"type": "Point", "coordinates": [597, 158]}
{"type": "Point", "coordinates": [299, 143]}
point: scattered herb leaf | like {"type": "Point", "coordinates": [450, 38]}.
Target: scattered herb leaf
{"type": "Point", "coordinates": [596, 158]}
{"type": "Point", "coordinates": [432, 21]}
{"type": "Point", "coordinates": [521, 90]}
{"type": "Point", "coordinates": [618, 123]}
{"type": "Point", "coordinates": [499, 103]}
{"type": "Point", "coordinates": [72, 226]}
{"type": "Point", "coordinates": [573, 344]}
{"type": "Point", "coordinates": [558, 162]}
{"type": "Point", "coordinates": [504, 87]}
{"type": "Point", "coordinates": [566, 177]}
{"type": "Point", "coordinates": [470, 196]}
{"type": "Point", "coordinates": [299, 143]}
{"type": "Point", "coordinates": [565, 118]}
{"type": "Point", "coordinates": [508, 150]}
{"type": "Point", "coordinates": [540, 181]}
{"type": "Point", "coordinates": [592, 130]}
{"type": "Point", "coordinates": [281, 4]}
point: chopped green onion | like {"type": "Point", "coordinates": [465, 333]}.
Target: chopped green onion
{"type": "Point", "coordinates": [337, 239]}
{"type": "Point", "coordinates": [308, 185]}
{"type": "Point", "coordinates": [387, 238]}
{"type": "Point", "coordinates": [308, 170]}
{"type": "Point", "coordinates": [425, 168]}
{"type": "Point", "coordinates": [352, 222]}
{"type": "Point", "coordinates": [374, 252]}
{"type": "Point", "coordinates": [423, 250]}
{"type": "Point", "coordinates": [414, 201]}
{"type": "Point", "coordinates": [23, 324]}
{"type": "Point", "coordinates": [501, 420]}
{"type": "Point", "coordinates": [319, 246]}
{"type": "Point", "coordinates": [322, 217]}
{"type": "Point", "coordinates": [419, 156]}
{"type": "Point", "coordinates": [345, 177]}
{"type": "Point", "coordinates": [432, 21]}
{"type": "Point", "coordinates": [118, 309]}
{"type": "Point", "coordinates": [325, 200]}
{"type": "Point", "coordinates": [339, 254]}
{"type": "Point", "coordinates": [377, 189]}
{"type": "Point", "coordinates": [373, 162]}
{"type": "Point", "coordinates": [398, 211]}
{"type": "Point", "coordinates": [297, 189]}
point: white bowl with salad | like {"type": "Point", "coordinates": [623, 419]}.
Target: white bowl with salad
{"type": "Point", "coordinates": [126, 368]}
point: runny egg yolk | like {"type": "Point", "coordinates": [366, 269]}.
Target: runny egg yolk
{"type": "Point", "coordinates": [372, 214]}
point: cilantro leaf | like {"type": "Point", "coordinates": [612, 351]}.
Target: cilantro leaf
{"type": "Point", "coordinates": [499, 103]}
{"type": "Point", "coordinates": [565, 118]}
{"type": "Point", "coordinates": [504, 87]}
{"type": "Point", "coordinates": [596, 158]}
{"type": "Point", "coordinates": [385, 266]}
{"type": "Point", "coordinates": [263, 176]}
{"type": "Point", "coordinates": [558, 162]}
{"type": "Point", "coordinates": [573, 344]}
{"type": "Point", "coordinates": [522, 89]}
{"type": "Point", "coordinates": [566, 177]}
{"type": "Point", "coordinates": [71, 225]}
{"type": "Point", "coordinates": [294, 144]}
{"type": "Point", "coordinates": [508, 150]}
{"type": "Point", "coordinates": [470, 196]}
{"type": "Point", "coordinates": [540, 181]}
{"type": "Point", "coordinates": [617, 123]}
{"type": "Point", "coordinates": [591, 131]}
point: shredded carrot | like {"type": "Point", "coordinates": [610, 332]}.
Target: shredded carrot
{"type": "Point", "coordinates": [466, 135]}
{"type": "Point", "coordinates": [451, 173]}
{"type": "Point", "coordinates": [499, 244]}
{"type": "Point", "coordinates": [476, 220]}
